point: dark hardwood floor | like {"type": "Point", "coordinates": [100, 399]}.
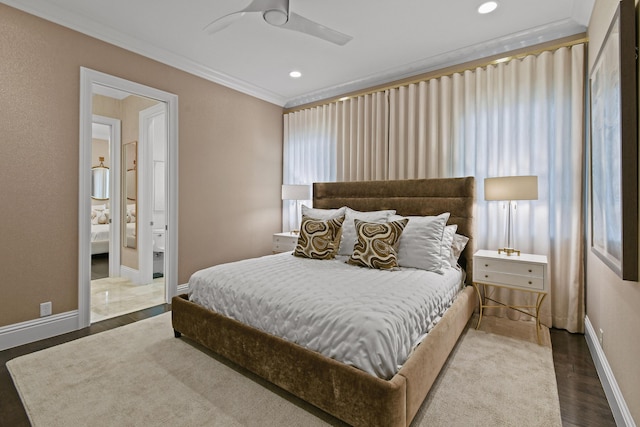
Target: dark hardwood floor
{"type": "Point", "coordinates": [582, 399]}
{"type": "Point", "coordinates": [99, 266]}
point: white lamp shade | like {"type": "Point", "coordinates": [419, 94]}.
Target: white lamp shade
{"type": "Point", "coordinates": [511, 188]}
{"type": "Point", "coordinates": [296, 192]}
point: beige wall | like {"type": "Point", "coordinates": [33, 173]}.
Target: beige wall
{"type": "Point", "coordinates": [100, 148]}
{"type": "Point", "coordinates": [613, 305]}
{"type": "Point", "coordinates": [230, 164]}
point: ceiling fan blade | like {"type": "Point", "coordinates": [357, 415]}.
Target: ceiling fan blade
{"type": "Point", "coordinates": [304, 25]}
{"type": "Point", "coordinates": [226, 20]}
{"type": "Point", "coordinates": [223, 22]}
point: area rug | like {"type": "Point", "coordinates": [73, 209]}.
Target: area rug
{"type": "Point", "coordinates": [140, 375]}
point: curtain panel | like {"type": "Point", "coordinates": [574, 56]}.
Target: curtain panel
{"type": "Point", "coordinates": [521, 117]}
{"type": "Point", "coordinates": [309, 152]}
{"type": "Point", "coordinates": [362, 139]}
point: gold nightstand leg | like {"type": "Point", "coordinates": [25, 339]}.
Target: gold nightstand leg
{"type": "Point", "coordinates": [538, 305]}
{"type": "Point", "coordinates": [475, 285]}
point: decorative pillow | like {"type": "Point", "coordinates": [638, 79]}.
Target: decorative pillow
{"type": "Point", "coordinates": [377, 244]}
{"type": "Point", "coordinates": [99, 214]}
{"type": "Point", "coordinates": [323, 213]}
{"type": "Point", "coordinates": [349, 235]}
{"type": "Point", "coordinates": [130, 215]}
{"type": "Point", "coordinates": [458, 245]}
{"type": "Point", "coordinates": [103, 217]}
{"type": "Point", "coordinates": [319, 239]}
{"type": "Point", "coordinates": [421, 242]}
{"type": "Point", "coordinates": [447, 241]}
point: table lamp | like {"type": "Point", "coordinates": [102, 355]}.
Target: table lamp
{"type": "Point", "coordinates": [296, 192]}
{"type": "Point", "coordinates": [510, 189]}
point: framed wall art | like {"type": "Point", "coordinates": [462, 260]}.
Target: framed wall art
{"type": "Point", "coordinates": [614, 146]}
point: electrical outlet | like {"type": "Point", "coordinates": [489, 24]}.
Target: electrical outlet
{"type": "Point", "coordinates": [45, 309]}
{"type": "Point", "coordinates": [601, 336]}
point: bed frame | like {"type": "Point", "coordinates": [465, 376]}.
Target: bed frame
{"type": "Point", "coordinates": [348, 393]}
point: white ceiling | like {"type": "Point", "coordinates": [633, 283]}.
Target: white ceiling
{"type": "Point", "coordinates": [391, 39]}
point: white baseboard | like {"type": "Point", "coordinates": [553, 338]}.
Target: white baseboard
{"type": "Point", "coordinates": [616, 401]}
{"type": "Point", "coordinates": [130, 273]}
{"type": "Point", "coordinates": [38, 329]}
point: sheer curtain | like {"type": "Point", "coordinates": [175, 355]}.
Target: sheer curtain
{"type": "Point", "coordinates": [521, 117]}
{"type": "Point", "coordinates": [310, 144]}
{"type": "Point", "coordinates": [362, 140]}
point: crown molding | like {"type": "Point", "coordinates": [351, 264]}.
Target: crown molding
{"type": "Point", "coordinates": [519, 40]}
{"type": "Point", "coordinates": [511, 42]}
{"type": "Point", "coordinates": [89, 27]}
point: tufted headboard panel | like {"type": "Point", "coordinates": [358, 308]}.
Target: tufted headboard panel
{"type": "Point", "coordinates": [408, 197]}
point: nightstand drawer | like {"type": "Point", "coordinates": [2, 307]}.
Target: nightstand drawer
{"type": "Point", "coordinates": [510, 267]}
{"type": "Point", "coordinates": [505, 279]}
{"type": "Point", "coordinates": [284, 242]}
{"type": "Point", "coordinates": [282, 247]}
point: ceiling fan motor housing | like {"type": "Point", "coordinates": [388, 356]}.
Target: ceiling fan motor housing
{"type": "Point", "coordinates": [278, 13]}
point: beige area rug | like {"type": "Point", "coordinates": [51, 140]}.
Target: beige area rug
{"type": "Point", "coordinates": [140, 375]}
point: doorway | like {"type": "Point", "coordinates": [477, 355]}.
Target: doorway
{"type": "Point", "coordinates": [132, 176]}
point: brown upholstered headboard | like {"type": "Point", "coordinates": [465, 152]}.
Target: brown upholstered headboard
{"type": "Point", "coordinates": [408, 197]}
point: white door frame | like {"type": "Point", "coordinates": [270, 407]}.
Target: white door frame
{"type": "Point", "coordinates": [114, 191]}
{"type": "Point", "coordinates": [88, 78]}
{"type": "Point", "coordinates": [145, 193]}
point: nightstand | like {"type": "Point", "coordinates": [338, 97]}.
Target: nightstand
{"type": "Point", "coordinates": [525, 273]}
{"type": "Point", "coordinates": [284, 242]}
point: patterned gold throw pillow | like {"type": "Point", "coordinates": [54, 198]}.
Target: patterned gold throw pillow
{"type": "Point", "coordinates": [377, 245]}
{"type": "Point", "coordinates": [319, 239]}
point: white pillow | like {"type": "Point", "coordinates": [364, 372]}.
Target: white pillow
{"type": "Point", "coordinates": [349, 235]}
{"type": "Point", "coordinates": [323, 214]}
{"type": "Point", "coordinates": [447, 241]}
{"type": "Point", "coordinates": [421, 242]}
{"type": "Point", "coordinates": [458, 245]}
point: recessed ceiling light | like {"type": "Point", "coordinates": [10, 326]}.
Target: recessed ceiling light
{"type": "Point", "coordinates": [295, 74]}
{"type": "Point", "coordinates": [487, 7]}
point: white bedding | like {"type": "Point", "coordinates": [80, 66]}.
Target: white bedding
{"type": "Point", "coordinates": [370, 319]}
{"type": "Point", "coordinates": [99, 232]}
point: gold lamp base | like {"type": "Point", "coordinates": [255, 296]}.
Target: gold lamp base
{"type": "Point", "coordinates": [509, 251]}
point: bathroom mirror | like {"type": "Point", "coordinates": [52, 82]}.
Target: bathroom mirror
{"type": "Point", "coordinates": [130, 215]}
{"type": "Point", "coordinates": [100, 181]}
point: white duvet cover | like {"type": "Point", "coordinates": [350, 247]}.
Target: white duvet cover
{"type": "Point", "coordinates": [367, 318]}
{"type": "Point", "coordinates": [99, 232]}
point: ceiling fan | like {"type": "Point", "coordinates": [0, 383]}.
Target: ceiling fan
{"type": "Point", "coordinates": [276, 13]}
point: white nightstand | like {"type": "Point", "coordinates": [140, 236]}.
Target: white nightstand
{"type": "Point", "coordinates": [284, 242]}
{"type": "Point", "coordinates": [525, 272]}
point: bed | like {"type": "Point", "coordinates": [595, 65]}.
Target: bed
{"type": "Point", "coordinates": [100, 224]}
{"type": "Point", "coordinates": [351, 394]}
{"type": "Point", "coordinates": [99, 239]}
{"type": "Point", "coordinates": [99, 229]}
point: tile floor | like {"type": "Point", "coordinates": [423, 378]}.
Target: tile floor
{"type": "Point", "coordinates": [115, 296]}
